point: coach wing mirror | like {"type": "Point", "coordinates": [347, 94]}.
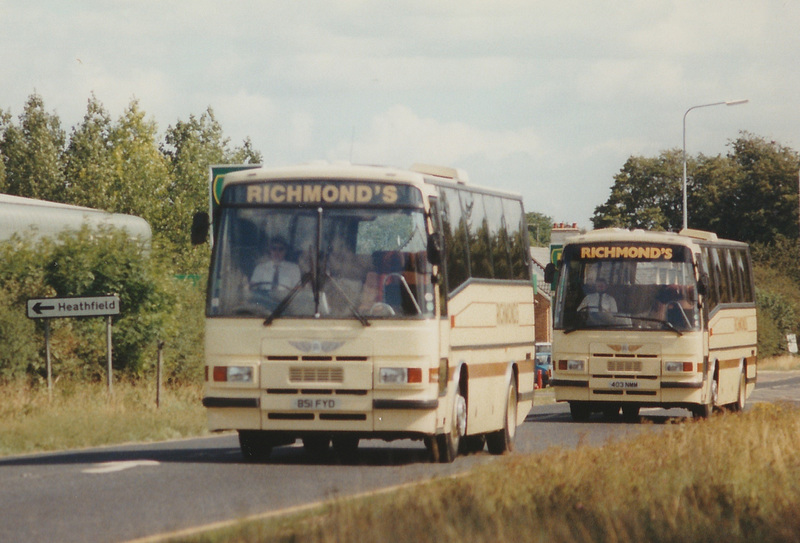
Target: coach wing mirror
{"type": "Point", "coordinates": [435, 248]}
{"type": "Point", "coordinates": [702, 284]}
{"type": "Point", "coordinates": [200, 225]}
{"type": "Point", "coordinates": [549, 273]}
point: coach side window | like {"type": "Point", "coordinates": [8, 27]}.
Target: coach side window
{"type": "Point", "coordinates": [455, 239]}
{"type": "Point", "coordinates": [743, 264]}
{"type": "Point", "coordinates": [498, 237]}
{"type": "Point", "coordinates": [479, 253]}
{"type": "Point", "coordinates": [712, 296]}
{"type": "Point", "coordinates": [517, 234]}
{"type": "Point", "coordinates": [721, 276]}
{"type": "Point", "coordinates": [734, 275]}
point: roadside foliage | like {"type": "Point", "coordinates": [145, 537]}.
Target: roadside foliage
{"type": "Point", "coordinates": [126, 165]}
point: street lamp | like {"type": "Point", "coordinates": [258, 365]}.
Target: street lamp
{"type": "Point", "coordinates": [727, 103]}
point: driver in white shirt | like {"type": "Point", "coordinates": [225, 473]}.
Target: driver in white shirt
{"type": "Point", "coordinates": [599, 301]}
{"type": "Point", "coordinates": [276, 272]}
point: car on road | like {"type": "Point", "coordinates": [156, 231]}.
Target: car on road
{"type": "Point", "coordinates": [544, 363]}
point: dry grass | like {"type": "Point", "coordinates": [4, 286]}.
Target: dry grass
{"type": "Point", "coordinates": [733, 477]}
{"type": "Point", "coordinates": [84, 415]}
{"type": "Point", "coordinates": [782, 363]}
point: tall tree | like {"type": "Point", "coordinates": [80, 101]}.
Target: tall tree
{"type": "Point", "coordinates": [90, 160]}
{"type": "Point", "coordinates": [647, 193]}
{"type": "Point", "coordinates": [749, 195]}
{"type": "Point", "coordinates": [191, 147]}
{"type": "Point", "coordinates": [768, 188]}
{"type": "Point", "coordinates": [5, 121]}
{"type": "Point", "coordinates": [33, 153]}
{"type": "Point", "coordinates": [714, 195]}
{"type": "Point", "coordinates": [539, 228]}
{"type": "Point", "coordinates": [140, 173]}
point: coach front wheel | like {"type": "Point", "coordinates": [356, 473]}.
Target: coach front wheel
{"type": "Point", "coordinates": [449, 441]}
{"type": "Point", "coordinates": [255, 445]}
{"type": "Point", "coordinates": [580, 411]}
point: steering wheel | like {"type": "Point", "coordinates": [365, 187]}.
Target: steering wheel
{"type": "Point", "coordinates": [262, 293]}
{"type": "Point", "coordinates": [381, 309]}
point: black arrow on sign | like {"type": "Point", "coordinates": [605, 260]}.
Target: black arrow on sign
{"type": "Point", "coordinates": [38, 308]}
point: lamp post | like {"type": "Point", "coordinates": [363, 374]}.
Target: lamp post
{"type": "Point", "coordinates": [685, 198]}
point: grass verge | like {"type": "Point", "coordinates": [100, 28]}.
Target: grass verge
{"type": "Point", "coordinates": [780, 363]}
{"type": "Point", "coordinates": [85, 415]}
{"type": "Point", "coordinates": [733, 477]}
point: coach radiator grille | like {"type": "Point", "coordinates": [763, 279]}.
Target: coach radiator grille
{"type": "Point", "coordinates": [624, 365]}
{"type": "Point", "coordinates": [303, 374]}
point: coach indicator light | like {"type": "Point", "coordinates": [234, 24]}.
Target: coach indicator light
{"type": "Point", "coordinates": [399, 376]}
{"type": "Point", "coordinates": [233, 374]}
{"type": "Point", "coordinates": [675, 367]}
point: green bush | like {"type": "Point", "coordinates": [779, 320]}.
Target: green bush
{"type": "Point", "coordinates": [18, 355]}
{"type": "Point", "coordinates": [154, 307]}
{"type": "Point", "coordinates": [777, 277]}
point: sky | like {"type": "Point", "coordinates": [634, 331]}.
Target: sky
{"type": "Point", "coordinates": [547, 99]}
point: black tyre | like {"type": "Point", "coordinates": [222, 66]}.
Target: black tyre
{"type": "Point", "coordinates": [630, 412]}
{"type": "Point", "coordinates": [472, 444]}
{"type": "Point", "coordinates": [432, 446]}
{"type": "Point", "coordinates": [316, 446]}
{"type": "Point", "coordinates": [610, 411]}
{"type": "Point", "coordinates": [580, 411]}
{"type": "Point", "coordinates": [346, 448]}
{"type": "Point", "coordinates": [256, 446]}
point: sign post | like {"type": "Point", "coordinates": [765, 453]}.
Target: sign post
{"type": "Point", "coordinates": [70, 307]}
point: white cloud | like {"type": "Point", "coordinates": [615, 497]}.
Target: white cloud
{"type": "Point", "coordinates": [399, 136]}
{"type": "Point", "coordinates": [543, 95]}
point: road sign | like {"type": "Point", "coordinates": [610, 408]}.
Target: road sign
{"type": "Point", "coordinates": [95, 306]}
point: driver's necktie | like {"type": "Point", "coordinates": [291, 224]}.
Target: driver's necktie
{"type": "Point", "coordinates": [275, 277]}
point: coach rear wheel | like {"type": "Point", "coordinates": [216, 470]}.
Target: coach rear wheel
{"type": "Point", "coordinates": [502, 440]}
{"type": "Point", "coordinates": [472, 444]}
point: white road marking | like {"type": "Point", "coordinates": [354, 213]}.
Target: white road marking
{"type": "Point", "coordinates": [112, 467]}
